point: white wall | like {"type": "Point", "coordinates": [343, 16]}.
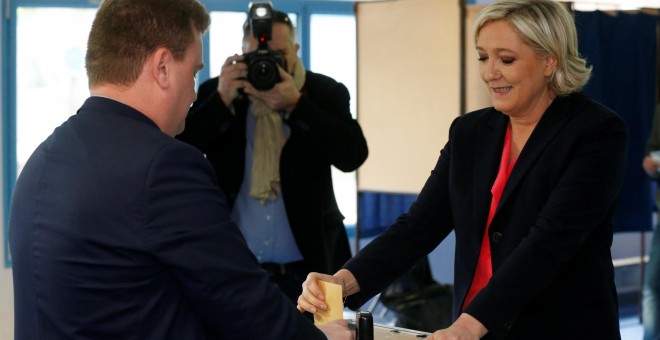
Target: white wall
{"type": "Point", "coordinates": [408, 89]}
{"type": "Point", "coordinates": [6, 283]}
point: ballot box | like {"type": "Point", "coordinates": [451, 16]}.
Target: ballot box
{"type": "Point", "coordinates": [383, 332]}
{"type": "Point", "coordinates": [367, 329]}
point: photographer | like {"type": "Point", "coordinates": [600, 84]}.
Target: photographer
{"type": "Point", "coordinates": [272, 151]}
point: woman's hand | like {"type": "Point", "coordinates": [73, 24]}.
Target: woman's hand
{"type": "Point", "coordinates": [311, 299]}
{"type": "Point", "coordinates": [464, 328]}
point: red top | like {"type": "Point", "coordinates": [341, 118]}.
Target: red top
{"type": "Point", "coordinates": [484, 266]}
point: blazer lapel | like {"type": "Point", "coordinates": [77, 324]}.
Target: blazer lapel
{"type": "Point", "coordinates": [489, 141]}
{"type": "Point", "coordinates": [548, 127]}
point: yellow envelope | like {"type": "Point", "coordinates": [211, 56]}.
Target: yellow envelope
{"type": "Point", "coordinates": [333, 299]}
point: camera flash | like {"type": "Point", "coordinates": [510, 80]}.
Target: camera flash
{"type": "Point", "coordinates": [261, 11]}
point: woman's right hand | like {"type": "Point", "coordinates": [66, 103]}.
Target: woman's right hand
{"type": "Point", "coordinates": [312, 298]}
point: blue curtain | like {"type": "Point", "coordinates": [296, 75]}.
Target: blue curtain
{"type": "Point", "coordinates": [378, 210]}
{"type": "Point", "coordinates": [622, 50]}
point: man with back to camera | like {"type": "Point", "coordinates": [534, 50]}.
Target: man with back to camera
{"type": "Point", "coordinates": [272, 150]}
{"type": "Point", "coordinates": [100, 229]}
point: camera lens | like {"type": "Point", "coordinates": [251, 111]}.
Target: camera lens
{"type": "Point", "coordinates": [263, 71]}
{"type": "Point", "coordinates": [263, 74]}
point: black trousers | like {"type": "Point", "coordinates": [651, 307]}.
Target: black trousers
{"type": "Point", "coordinates": [289, 277]}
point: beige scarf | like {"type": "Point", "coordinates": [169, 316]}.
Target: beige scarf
{"type": "Point", "coordinates": [268, 142]}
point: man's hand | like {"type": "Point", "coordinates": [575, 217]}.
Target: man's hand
{"type": "Point", "coordinates": [283, 96]}
{"type": "Point", "coordinates": [337, 330]}
{"type": "Point", "coordinates": [650, 166]}
{"type": "Point", "coordinates": [232, 78]}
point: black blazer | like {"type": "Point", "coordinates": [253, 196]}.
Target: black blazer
{"type": "Point", "coordinates": [550, 237]}
{"type": "Point", "coordinates": [323, 133]}
{"type": "Point", "coordinates": [118, 231]}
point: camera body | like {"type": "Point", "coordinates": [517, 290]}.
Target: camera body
{"type": "Point", "coordinates": [262, 68]}
{"type": "Point", "coordinates": [262, 63]}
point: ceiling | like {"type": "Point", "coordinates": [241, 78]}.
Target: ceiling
{"type": "Point", "coordinates": [608, 5]}
{"type": "Point", "coordinates": [580, 5]}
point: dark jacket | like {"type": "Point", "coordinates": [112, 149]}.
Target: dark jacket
{"type": "Point", "coordinates": [323, 134]}
{"type": "Point", "coordinates": [118, 231]}
{"type": "Point", "coordinates": [551, 234]}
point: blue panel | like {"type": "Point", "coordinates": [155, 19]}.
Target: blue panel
{"type": "Point", "coordinates": [8, 115]}
{"type": "Point", "coordinates": [378, 210]}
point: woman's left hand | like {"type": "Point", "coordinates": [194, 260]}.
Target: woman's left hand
{"type": "Point", "coordinates": [465, 327]}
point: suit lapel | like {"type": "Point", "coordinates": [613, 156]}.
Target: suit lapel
{"type": "Point", "coordinates": [489, 141]}
{"type": "Point", "coordinates": [548, 127]}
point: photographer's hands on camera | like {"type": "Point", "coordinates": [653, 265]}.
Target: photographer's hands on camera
{"type": "Point", "coordinates": [283, 96]}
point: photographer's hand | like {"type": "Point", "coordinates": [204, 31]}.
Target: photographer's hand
{"type": "Point", "coordinates": [283, 97]}
{"type": "Point", "coordinates": [232, 78]}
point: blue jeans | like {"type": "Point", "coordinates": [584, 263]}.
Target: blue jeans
{"type": "Point", "coordinates": [651, 291]}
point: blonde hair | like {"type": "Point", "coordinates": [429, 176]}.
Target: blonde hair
{"type": "Point", "coordinates": [548, 27]}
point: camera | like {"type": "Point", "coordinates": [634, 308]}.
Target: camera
{"type": "Point", "coordinates": [262, 63]}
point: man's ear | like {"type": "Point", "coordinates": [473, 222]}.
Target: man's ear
{"type": "Point", "coordinates": [161, 63]}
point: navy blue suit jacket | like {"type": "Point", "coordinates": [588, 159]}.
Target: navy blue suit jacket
{"type": "Point", "coordinates": [551, 234]}
{"type": "Point", "coordinates": [118, 231]}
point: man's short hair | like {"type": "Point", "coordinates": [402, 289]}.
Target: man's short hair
{"type": "Point", "coordinates": [125, 32]}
